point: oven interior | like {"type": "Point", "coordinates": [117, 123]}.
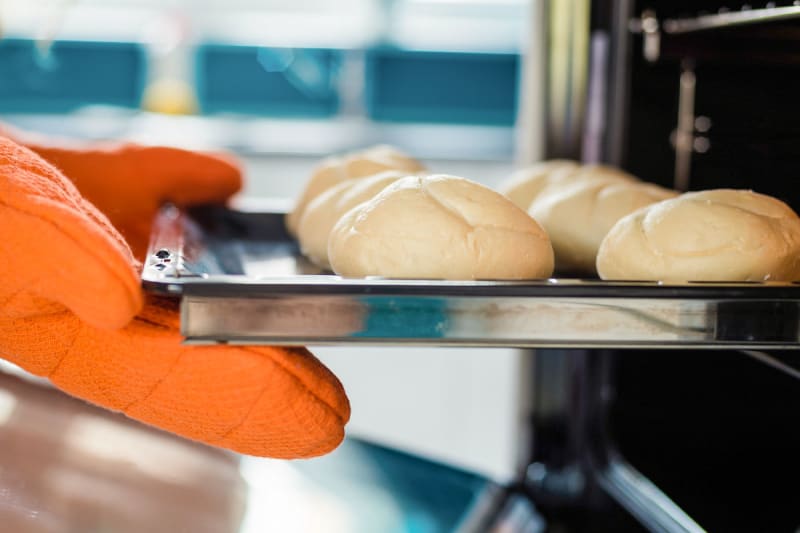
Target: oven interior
{"type": "Point", "coordinates": [719, 107]}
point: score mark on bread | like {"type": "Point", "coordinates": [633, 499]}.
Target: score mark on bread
{"type": "Point", "coordinates": [439, 227]}
{"type": "Point", "coordinates": [326, 209]}
{"type": "Point", "coordinates": [578, 216]}
{"type": "Point", "coordinates": [335, 170]}
{"type": "Point", "coordinates": [715, 235]}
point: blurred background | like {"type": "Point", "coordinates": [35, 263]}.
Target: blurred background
{"type": "Point", "coordinates": [269, 78]}
{"type": "Point", "coordinates": [283, 84]}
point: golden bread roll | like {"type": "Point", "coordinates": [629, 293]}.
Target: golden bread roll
{"type": "Point", "coordinates": [439, 227]}
{"type": "Point", "coordinates": [716, 235]}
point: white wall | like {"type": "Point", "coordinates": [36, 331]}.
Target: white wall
{"type": "Point", "coordinates": [460, 406]}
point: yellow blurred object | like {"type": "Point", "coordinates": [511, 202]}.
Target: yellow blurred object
{"type": "Point", "coordinates": [170, 96]}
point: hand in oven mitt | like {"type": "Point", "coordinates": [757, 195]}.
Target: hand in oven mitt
{"type": "Point", "coordinates": [71, 308]}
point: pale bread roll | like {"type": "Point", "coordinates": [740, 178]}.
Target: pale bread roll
{"type": "Point", "coordinates": [325, 210]}
{"type": "Point", "coordinates": [577, 216]}
{"type": "Point", "coordinates": [524, 184]}
{"type": "Point", "coordinates": [716, 235]}
{"type": "Point", "coordinates": [335, 170]}
{"type": "Point", "coordinates": [596, 170]}
{"type": "Point", "coordinates": [439, 227]}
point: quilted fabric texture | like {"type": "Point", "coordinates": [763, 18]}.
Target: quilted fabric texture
{"type": "Point", "coordinates": [71, 308]}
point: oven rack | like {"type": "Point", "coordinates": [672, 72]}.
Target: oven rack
{"type": "Point", "coordinates": [652, 29]}
{"type": "Point", "coordinates": [724, 18]}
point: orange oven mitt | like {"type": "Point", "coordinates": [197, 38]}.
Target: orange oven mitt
{"type": "Point", "coordinates": [71, 309]}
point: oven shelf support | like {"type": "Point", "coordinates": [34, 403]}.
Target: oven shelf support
{"type": "Point", "coordinates": [651, 28]}
{"type": "Point", "coordinates": [573, 461]}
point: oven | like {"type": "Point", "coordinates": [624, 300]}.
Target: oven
{"type": "Point", "coordinates": [691, 95]}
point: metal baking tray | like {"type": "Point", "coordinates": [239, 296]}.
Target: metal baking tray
{"type": "Point", "coordinates": [241, 279]}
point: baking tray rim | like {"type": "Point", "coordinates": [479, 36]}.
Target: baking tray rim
{"type": "Point", "coordinates": [168, 234]}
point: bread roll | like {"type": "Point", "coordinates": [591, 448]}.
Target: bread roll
{"type": "Point", "coordinates": [717, 235]}
{"type": "Point", "coordinates": [334, 170]}
{"type": "Point", "coordinates": [439, 227]}
{"type": "Point", "coordinates": [577, 216]}
{"type": "Point", "coordinates": [524, 184]}
{"type": "Point", "coordinates": [325, 210]}
{"type": "Point", "coordinates": [607, 172]}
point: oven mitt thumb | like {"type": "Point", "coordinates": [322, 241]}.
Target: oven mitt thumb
{"type": "Point", "coordinates": [71, 310]}
{"type": "Point", "coordinates": [129, 182]}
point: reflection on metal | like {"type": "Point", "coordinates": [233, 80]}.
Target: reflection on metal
{"type": "Point", "coordinates": [684, 135]}
{"type": "Point", "coordinates": [567, 482]}
{"type": "Point", "coordinates": [619, 84]}
{"type": "Point", "coordinates": [597, 99]}
{"type": "Point", "coordinates": [530, 130]}
{"type": "Point", "coordinates": [644, 500]}
{"type": "Point", "coordinates": [518, 516]}
{"type": "Point", "coordinates": [71, 466]}
{"type": "Point", "coordinates": [497, 510]}
{"type": "Point", "coordinates": [567, 68]}
{"type": "Point", "coordinates": [652, 29]}
{"type": "Point", "coordinates": [777, 364]}
{"type": "Point", "coordinates": [652, 36]}
{"type": "Point", "coordinates": [294, 318]}
{"type": "Point", "coordinates": [725, 19]}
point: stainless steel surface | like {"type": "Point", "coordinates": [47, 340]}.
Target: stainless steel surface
{"type": "Point", "coordinates": [241, 279]}
{"type": "Point", "coordinates": [530, 128]}
{"type": "Point", "coordinates": [651, 29]}
{"type": "Point", "coordinates": [593, 145]}
{"type": "Point", "coordinates": [499, 510]}
{"type": "Point", "coordinates": [567, 75]}
{"type": "Point", "coordinates": [68, 466]}
{"type": "Point", "coordinates": [447, 321]}
{"type": "Point", "coordinates": [773, 362]}
{"type": "Point", "coordinates": [518, 515]}
{"type": "Point", "coordinates": [654, 509]}
{"type": "Point", "coordinates": [684, 134]}
{"type": "Point", "coordinates": [722, 19]}
{"type": "Point", "coordinates": [619, 88]}
{"type": "Point", "coordinates": [730, 18]}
